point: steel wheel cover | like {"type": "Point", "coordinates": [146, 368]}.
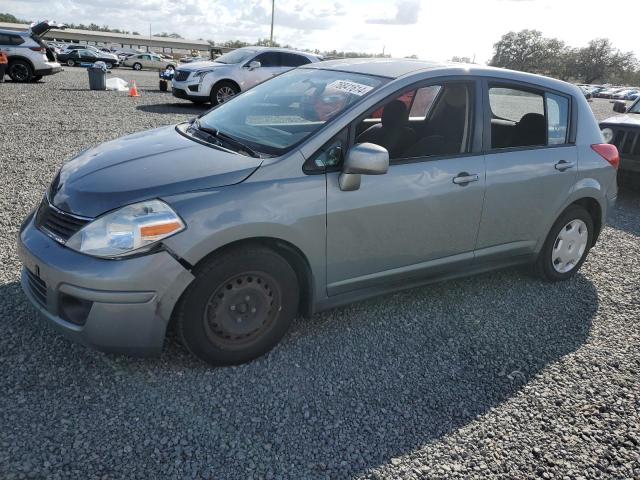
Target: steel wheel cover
{"type": "Point", "coordinates": [570, 245]}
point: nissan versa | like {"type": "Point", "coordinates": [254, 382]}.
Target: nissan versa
{"type": "Point", "coordinates": [328, 184]}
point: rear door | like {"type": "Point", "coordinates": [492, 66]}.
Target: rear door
{"type": "Point", "coordinates": [10, 43]}
{"type": "Point", "coordinates": [531, 162]}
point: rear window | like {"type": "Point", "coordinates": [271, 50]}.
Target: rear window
{"type": "Point", "coordinates": [7, 39]}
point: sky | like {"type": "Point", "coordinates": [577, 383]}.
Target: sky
{"type": "Point", "coordinates": [430, 29]}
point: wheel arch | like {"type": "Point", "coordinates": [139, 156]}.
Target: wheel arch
{"type": "Point", "coordinates": [591, 205]}
{"type": "Point", "coordinates": [228, 80]}
{"type": "Point", "coordinates": [13, 58]}
{"type": "Point", "coordinates": [290, 252]}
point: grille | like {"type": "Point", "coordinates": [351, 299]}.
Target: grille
{"type": "Point", "coordinates": [56, 223]}
{"type": "Point", "coordinates": [627, 140]}
{"type": "Point", "coordinates": [182, 75]}
{"type": "Point", "coordinates": [38, 288]}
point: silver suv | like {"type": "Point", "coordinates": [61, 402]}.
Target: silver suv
{"type": "Point", "coordinates": [234, 72]}
{"type": "Point", "coordinates": [331, 183]}
{"type": "Point", "coordinates": [29, 57]}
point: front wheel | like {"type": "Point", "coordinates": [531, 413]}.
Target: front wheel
{"type": "Point", "coordinates": [137, 66]}
{"type": "Point", "coordinates": [222, 91]}
{"type": "Point", "coordinates": [566, 246]}
{"type": "Point", "coordinates": [239, 306]}
{"type": "Point", "coordinates": [71, 62]}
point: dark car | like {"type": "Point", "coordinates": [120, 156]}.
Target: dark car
{"type": "Point", "coordinates": [76, 57]}
{"type": "Point", "coordinates": [623, 131]}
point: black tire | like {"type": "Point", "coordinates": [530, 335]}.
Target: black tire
{"type": "Point", "coordinates": [219, 88]}
{"type": "Point", "coordinates": [109, 65]}
{"type": "Point", "coordinates": [170, 67]}
{"type": "Point", "coordinates": [239, 306]}
{"type": "Point", "coordinates": [544, 265]}
{"type": "Point", "coordinates": [71, 62]}
{"type": "Point", "coordinates": [137, 66]}
{"type": "Point", "coordinates": [20, 71]}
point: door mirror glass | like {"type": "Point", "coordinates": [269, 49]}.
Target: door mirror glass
{"type": "Point", "coordinates": [620, 107]}
{"type": "Point", "coordinates": [254, 64]}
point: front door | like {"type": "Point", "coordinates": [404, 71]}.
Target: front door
{"type": "Point", "coordinates": [422, 216]}
{"type": "Point", "coordinates": [531, 168]}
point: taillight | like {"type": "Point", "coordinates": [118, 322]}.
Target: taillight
{"type": "Point", "coordinates": [608, 152]}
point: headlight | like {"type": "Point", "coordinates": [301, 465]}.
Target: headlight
{"type": "Point", "coordinates": [202, 73]}
{"type": "Point", "coordinates": [131, 229]}
{"type": "Point", "coordinates": [607, 133]}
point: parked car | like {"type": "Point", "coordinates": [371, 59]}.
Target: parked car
{"type": "Point", "coordinates": [29, 57]}
{"type": "Point", "coordinates": [148, 60]}
{"type": "Point", "coordinates": [76, 57]}
{"type": "Point", "coordinates": [293, 198]}
{"type": "Point", "coordinates": [198, 58]}
{"type": "Point", "coordinates": [623, 131]}
{"type": "Point", "coordinates": [609, 93]}
{"type": "Point", "coordinates": [234, 72]}
{"type": "Point", "coordinates": [624, 94]}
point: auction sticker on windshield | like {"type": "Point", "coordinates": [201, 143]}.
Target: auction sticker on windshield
{"type": "Point", "coordinates": [354, 88]}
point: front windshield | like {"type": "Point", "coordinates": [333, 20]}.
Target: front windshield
{"type": "Point", "coordinates": [635, 108]}
{"type": "Point", "coordinates": [236, 56]}
{"type": "Point", "coordinates": [276, 115]}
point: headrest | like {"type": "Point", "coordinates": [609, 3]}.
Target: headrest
{"type": "Point", "coordinates": [394, 113]}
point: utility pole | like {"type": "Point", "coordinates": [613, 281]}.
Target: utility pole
{"type": "Point", "coordinates": [273, 10]}
{"type": "Point", "coordinates": [149, 46]}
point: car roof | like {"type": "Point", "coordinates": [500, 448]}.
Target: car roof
{"type": "Point", "coordinates": [395, 68]}
{"type": "Point", "coordinates": [280, 49]}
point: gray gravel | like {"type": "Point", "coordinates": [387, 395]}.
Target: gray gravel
{"type": "Point", "coordinates": [495, 376]}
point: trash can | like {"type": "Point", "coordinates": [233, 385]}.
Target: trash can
{"type": "Point", "coordinates": [98, 76]}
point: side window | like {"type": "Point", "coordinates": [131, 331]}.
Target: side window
{"type": "Point", "coordinates": [293, 60]}
{"type": "Point", "coordinates": [269, 59]}
{"type": "Point", "coordinates": [6, 39]}
{"type": "Point", "coordinates": [330, 155]}
{"type": "Point", "coordinates": [431, 121]}
{"type": "Point", "coordinates": [558, 118]}
{"type": "Point", "coordinates": [517, 118]}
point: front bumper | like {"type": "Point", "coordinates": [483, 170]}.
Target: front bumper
{"type": "Point", "coordinates": [131, 300]}
{"type": "Point", "coordinates": [182, 90]}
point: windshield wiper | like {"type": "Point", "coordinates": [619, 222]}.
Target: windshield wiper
{"type": "Point", "coordinates": [214, 132]}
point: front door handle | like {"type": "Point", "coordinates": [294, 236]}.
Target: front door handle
{"type": "Point", "coordinates": [563, 165]}
{"type": "Point", "coordinates": [465, 178]}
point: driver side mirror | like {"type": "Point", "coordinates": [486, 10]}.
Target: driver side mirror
{"type": "Point", "coordinates": [620, 106]}
{"type": "Point", "coordinates": [254, 64]}
{"type": "Point", "coordinates": [363, 159]}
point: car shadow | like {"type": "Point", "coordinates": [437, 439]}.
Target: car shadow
{"type": "Point", "coordinates": [346, 390]}
{"type": "Point", "coordinates": [625, 214]}
{"type": "Point", "coordinates": [173, 108]}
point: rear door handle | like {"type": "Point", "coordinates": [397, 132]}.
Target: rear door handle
{"type": "Point", "coordinates": [465, 178]}
{"type": "Point", "coordinates": [563, 165]}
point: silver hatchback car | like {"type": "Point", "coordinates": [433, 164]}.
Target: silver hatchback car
{"type": "Point", "coordinates": [328, 184]}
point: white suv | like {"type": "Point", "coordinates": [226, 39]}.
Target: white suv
{"type": "Point", "coordinates": [29, 57]}
{"type": "Point", "coordinates": [234, 72]}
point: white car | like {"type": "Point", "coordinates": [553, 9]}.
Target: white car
{"type": "Point", "coordinates": [148, 60]}
{"type": "Point", "coordinates": [234, 72]}
{"type": "Point", "coordinates": [29, 57]}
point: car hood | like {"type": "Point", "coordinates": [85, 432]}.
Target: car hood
{"type": "Point", "coordinates": [627, 119]}
{"type": "Point", "coordinates": [192, 67]}
{"type": "Point", "coordinates": [141, 166]}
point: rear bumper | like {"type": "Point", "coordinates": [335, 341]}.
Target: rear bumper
{"type": "Point", "coordinates": [129, 301]}
{"type": "Point", "coordinates": [50, 69]}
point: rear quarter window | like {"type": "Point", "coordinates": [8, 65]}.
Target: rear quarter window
{"type": "Point", "coordinates": [7, 39]}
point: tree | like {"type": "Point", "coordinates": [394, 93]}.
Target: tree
{"type": "Point", "coordinates": [528, 51]}
{"type": "Point", "coordinates": [599, 60]}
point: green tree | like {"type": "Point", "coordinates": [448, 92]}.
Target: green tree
{"type": "Point", "coordinates": [599, 60]}
{"type": "Point", "coordinates": [528, 51]}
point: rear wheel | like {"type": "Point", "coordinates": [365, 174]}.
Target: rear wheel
{"type": "Point", "coordinates": [223, 91]}
{"type": "Point", "coordinates": [566, 246]}
{"type": "Point", "coordinates": [239, 306]}
{"type": "Point", "coordinates": [71, 62]}
{"type": "Point", "coordinates": [137, 66]}
{"type": "Point", "coordinates": [20, 71]}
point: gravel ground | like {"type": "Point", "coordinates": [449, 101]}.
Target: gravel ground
{"type": "Point", "coordinates": [495, 376]}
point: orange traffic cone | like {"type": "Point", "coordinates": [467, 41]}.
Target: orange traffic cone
{"type": "Point", "coordinates": [133, 91]}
